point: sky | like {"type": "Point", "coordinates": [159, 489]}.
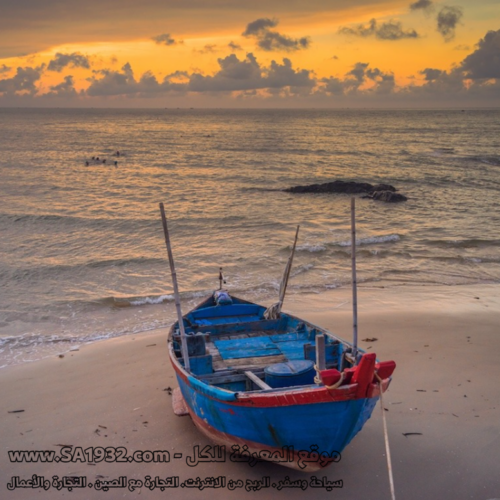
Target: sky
{"type": "Point", "coordinates": [264, 53]}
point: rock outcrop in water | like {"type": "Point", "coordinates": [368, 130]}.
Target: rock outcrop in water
{"type": "Point", "coordinates": [388, 196]}
{"type": "Point", "coordinates": [382, 192]}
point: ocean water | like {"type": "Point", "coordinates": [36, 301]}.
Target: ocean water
{"type": "Point", "coordinates": [82, 252]}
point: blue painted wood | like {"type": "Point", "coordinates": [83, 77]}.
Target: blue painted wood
{"type": "Point", "coordinates": [287, 337]}
{"type": "Point", "coordinates": [246, 348]}
{"type": "Point", "coordinates": [201, 365]}
{"type": "Point", "coordinates": [330, 426]}
{"type": "Point", "coordinates": [234, 310]}
{"type": "Point", "coordinates": [292, 349]}
{"type": "Point", "coordinates": [333, 352]}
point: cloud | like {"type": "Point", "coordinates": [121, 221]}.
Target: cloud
{"type": "Point", "coordinates": [234, 46]}
{"type": "Point", "coordinates": [484, 62]}
{"type": "Point", "coordinates": [75, 60]}
{"type": "Point", "coordinates": [391, 30]}
{"type": "Point", "coordinates": [4, 69]}
{"type": "Point", "coordinates": [247, 74]}
{"type": "Point", "coordinates": [431, 74]}
{"type": "Point", "coordinates": [165, 39]}
{"type": "Point", "coordinates": [474, 81]}
{"type": "Point", "coordinates": [374, 80]}
{"type": "Point", "coordinates": [259, 26]}
{"type": "Point", "coordinates": [283, 75]}
{"type": "Point", "coordinates": [209, 48]}
{"type": "Point", "coordinates": [422, 5]}
{"type": "Point", "coordinates": [123, 83]}
{"type": "Point", "coordinates": [447, 20]}
{"type": "Point", "coordinates": [233, 75]}
{"type": "Point", "coordinates": [272, 40]}
{"type": "Point", "coordinates": [23, 82]}
{"type": "Point", "coordinates": [64, 89]}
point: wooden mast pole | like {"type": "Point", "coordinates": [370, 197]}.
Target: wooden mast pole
{"type": "Point", "coordinates": [354, 283]}
{"type": "Point", "coordinates": [184, 347]}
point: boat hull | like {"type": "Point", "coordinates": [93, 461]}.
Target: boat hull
{"type": "Point", "coordinates": [316, 428]}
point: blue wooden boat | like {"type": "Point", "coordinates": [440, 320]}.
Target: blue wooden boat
{"type": "Point", "coordinates": [254, 385]}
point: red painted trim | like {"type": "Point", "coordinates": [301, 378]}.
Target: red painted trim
{"type": "Point", "coordinates": [301, 396]}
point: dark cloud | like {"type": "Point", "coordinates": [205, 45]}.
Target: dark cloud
{"type": "Point", "coordinates": [123, 83]}
{"type": "Point", "coordinates": [335, 58]}
{"type": "Point", "coordinates": [209, 48]}
{"type": "Point", "coordinates": [360, 75]}
{"type": "Point", "coordinates": [112, 82]}
{"type": "Point", "coordinates": [4, 69]}
{"type": "Point", "coordinates": [247, 74]}
{"type": "Point", "coordinates": [431, 74]}
{"type": "Point", "coordinates": [259, 26]}
{"type": "Point", "coordinates": [22, 82]}
{"type": "Point", "coordinates": [74, 60]}
{"type": "Point", "coordinates": [233, 75]}
{"type": "Point", "coordinates": [64, 89]}
{"type": "Point", "coordinates": [358, 71]}
{"type": "Point", "coordinates": [234, 46]}
{"type": "Point", "coordinates": [272, 40]}
{"type": "Point", "coordinates": [447, 20]}
{"type": "Point", "coordinates": [333, 85]}
{"type": "Point", "coordinates": [165, 39]}
{"type": "Point", "coordinates": [275, 41]}
{"type": "Point", "coordinates": [283, 75]}
{"type": "Point", "coordinates": [484, 62]}
{"type": "Point", "coordinates": [391, 30]}
{"type": "Point", "coordinates": [422, 5]}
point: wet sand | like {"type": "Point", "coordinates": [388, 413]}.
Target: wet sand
{"type": "Point", "coordinates": [445, 396]}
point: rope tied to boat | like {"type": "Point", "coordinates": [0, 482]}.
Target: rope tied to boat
{"type": "Point", "coordinates": [386, 437]}
{"type": "Point", "coordinates": [317, 379]}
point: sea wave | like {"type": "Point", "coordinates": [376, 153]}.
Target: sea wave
{"type": "Point", "coordinates": [372, 240]}
{"type": "Point", "coordinates": [309, 247]}
{"type": "Point", "coordinates": [463, 243]}
{"type": "Point", "coordinates": [488, 160]}
{"type": "Point", "coordinates": [302, 269]}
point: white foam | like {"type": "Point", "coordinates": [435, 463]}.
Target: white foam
{"type": "Point", "coordinates": [152, 300]}
{"type": "Point", "coordinates": [372, 240]}
{"type": "Point", "coordinates": [311, 248]}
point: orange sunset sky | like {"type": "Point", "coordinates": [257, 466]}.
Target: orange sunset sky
{"type": "Point", "coordinates": [228, 53]}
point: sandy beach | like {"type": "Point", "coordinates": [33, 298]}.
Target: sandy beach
{"type": "Point", "coordinates": [444, 396]}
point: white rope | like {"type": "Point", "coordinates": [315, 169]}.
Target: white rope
{"type": "Point", "coordinates": [317, 380]}
{"type": "Point", "coordinates": [386, 436]}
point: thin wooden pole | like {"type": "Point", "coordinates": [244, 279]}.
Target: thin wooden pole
{"type": "Point", "coordinates": [354, 283]}
{"type": "Point", "coordinates": [320, 352]}
{"type": "Point", "coordinates": [221, 278]}
{"type": "Point", "coordinates": [289, 267]}
{"type": "Point", "coordinates": [184, 347]}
